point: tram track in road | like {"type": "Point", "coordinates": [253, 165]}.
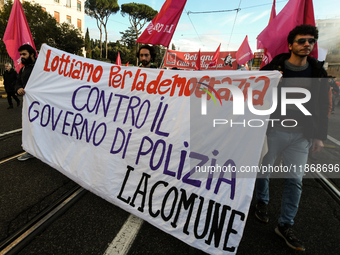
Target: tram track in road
{"type": "Point", "coordinates": [32, 216]}
{"type": "Point", "coordinates": [15, 131]}
{"type": "Point", "coordinates": [18, 240]}
{"type": "Point", "coordinates": [11, 157]}
{"type": "Point", "coordinates": [7, 141]}
{"type": "Point", "coordinates": [24, 236]}
{"type": "Point", "coordinates": [328, 185]}
{"type": "Point", "coordinates": [328, 180]}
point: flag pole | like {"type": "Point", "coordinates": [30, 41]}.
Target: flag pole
{"type": "Point", "coordinates": [164, 57]}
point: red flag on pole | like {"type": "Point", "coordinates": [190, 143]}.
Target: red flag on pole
{"type": "Point", "coordinates": [198, 61]}
{"type": "Point", "coordinates": [274, 36]}
{"type": "Point", "coordinates": [273, 12]}
{"type": "Point", "coordinates": [244, 53]}
{"type": "Point", "coordinates": [272, 16]}
{"type": "Point", "coordinates": [127, 64]}
{"type": "Point", "coordinates": [162, 27]}
{"type": "Point", "coordinates": [266, 56]}
{"type": "Point", "coordinates": [17, 33]}
{"type": "Point", "coordinates": [118, 60]}
{"type": "Point", "coordinates": [215, 57]}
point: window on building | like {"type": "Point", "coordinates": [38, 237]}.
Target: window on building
{"type": "Point", "coordinates": [56, 16]}
{"type": "Point", "coordinates": [78, 6]}
{"type": "Point", "coordinates": [68, 3]}
{"type": "Point", "coordinates": [68, 19]}
{"type": "Point", "coordinates": [79, 24]}
{"type": "Point", "coordinates": [57, 1]}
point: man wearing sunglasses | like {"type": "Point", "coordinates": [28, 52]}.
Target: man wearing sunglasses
{"type": "Point", "coordinates": [299, 71]}
{"type": "Point", "coordinates": [145, 55]}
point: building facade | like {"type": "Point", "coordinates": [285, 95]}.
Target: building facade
{"type": "Point", "coordinates": [69, 11]}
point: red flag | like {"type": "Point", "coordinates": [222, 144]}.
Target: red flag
{"type": "Point", "coordinates": [273, 13]}
{"type": "Point", "coordinates": [162, 27]}
{"type": "Point", "coordinates": [244, 53]}
{"type": "Point", "coordinates": [127, 64]}
{"type": "Point", "coordinates": [215, 57]}
{"type": "Point", "coordinates": [118, 61]}
{"type": "Point", "coordinates": [274, 36]}
{"type": "Point", "coordinates": [198, 61]}
{"type": "Point", "coordinates": [272, 16]}
{"type": "Point", "coordinates": [17, 33]}
{"type": "Point", "coordinates": [246, 65]}
{"type": "Point", "coordinates": [266, 56]}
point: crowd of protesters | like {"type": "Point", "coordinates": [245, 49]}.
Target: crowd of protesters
{"type": "Point", "coordinates": [293, 144]}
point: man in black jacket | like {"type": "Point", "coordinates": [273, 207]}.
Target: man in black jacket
{"type": "Point", "coordinates": [294, 132]}
{"type": "Point", "coordinates": [28, 58]}
{"type": "Point", "coordinates": [10, 77]}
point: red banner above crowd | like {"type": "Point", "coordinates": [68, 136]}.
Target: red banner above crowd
{"type": "Point", "coordinates": [162, 27]}
{"type": "Point", "coordinates": [187, 60]}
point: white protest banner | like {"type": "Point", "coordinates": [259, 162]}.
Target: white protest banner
{"type": "Point", "coordinates": [138, 138]}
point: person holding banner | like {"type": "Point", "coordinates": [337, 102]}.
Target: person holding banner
{"type": "Point", "coordinates": [28, 58]}
{"type": "Point", "coordinates": [293, 141]}
{"type": "Point", "coordinates": [146, 54]}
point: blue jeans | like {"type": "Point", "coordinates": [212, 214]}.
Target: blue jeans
{"type": "Point", "coordinates": [294, 148]}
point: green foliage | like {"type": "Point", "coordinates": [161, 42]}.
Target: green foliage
{"type": "Point", "coordinates": [44, 29]}
{"type": "Point", "coordinates": [43, 26]}
{"type": "Point", "coordinates": [101, 11]}
{"type": "Point", "coordinates": [139, 14]}
{"type": "Point", "coordinates": [114, 48]}
{"type": "Point", "coordinates": [129, 37]}
{"type": "Point", "coordinates": [160, 51]}
{"type": "Point", "coordinates": [96, 52]}
{"type": "Point", "coordinates": [173, 47]}
{"type": "Point", "coordinates": [70, 39]}
{"type": "Point", "coordinates": [138, 11]}
{"type": "Point", "coordinates": [126, 54]}
{"type": "Point", "coordinates": [87, 44]}
{"type": "Point", "coordinates": [128, 40]}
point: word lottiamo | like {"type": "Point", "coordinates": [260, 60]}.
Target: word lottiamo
{"type": "Point", "coordinates": [118, 78]}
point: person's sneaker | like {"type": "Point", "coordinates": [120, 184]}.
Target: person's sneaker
{"type": "Point", "coordinates": [287, 233]}
{"type": "Point", "coordinates": [261, 211]}
{"type": "Point", "coordinates": [25, 156]}
{"type": "Point", "coordinates": [10, 107]}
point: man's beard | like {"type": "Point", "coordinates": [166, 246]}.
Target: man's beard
{"type": "Point", "coordinates": [27, 61]}
{"type": "Point", "coordinates": [145, 62]}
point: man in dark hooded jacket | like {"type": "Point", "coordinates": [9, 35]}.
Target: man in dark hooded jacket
{"type": "Point", "coordinates": [10, 77]}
